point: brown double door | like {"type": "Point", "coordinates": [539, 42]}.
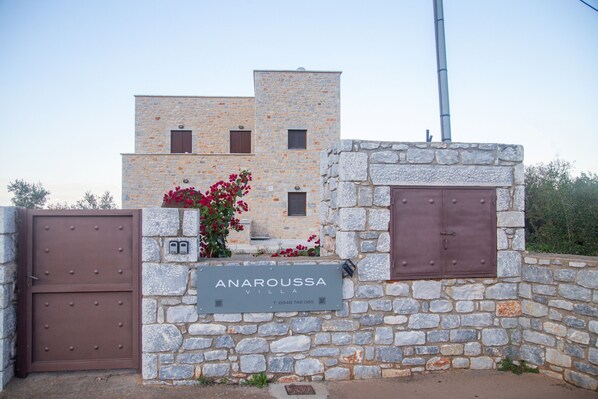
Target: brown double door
{"type": "Point", "coordinates": [79, 308]}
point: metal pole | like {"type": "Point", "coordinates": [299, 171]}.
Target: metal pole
{"type": "Point", "coordinates": [443, 95]}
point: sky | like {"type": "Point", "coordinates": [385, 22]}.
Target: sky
{"type": "Point", "coordinates": [519, 72]}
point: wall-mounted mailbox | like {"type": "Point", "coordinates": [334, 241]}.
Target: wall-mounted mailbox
{"type": "Point", "coordinates": [173, 247]}
{"type": "Point", "coordinates": [183, 247]}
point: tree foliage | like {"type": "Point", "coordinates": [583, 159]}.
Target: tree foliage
{"type": "Point", "coordinates": [28, 195]}
{"type": "Point", "coordinates": [561, 211]}
{"type": "Point", "coordinates": [89, 201]}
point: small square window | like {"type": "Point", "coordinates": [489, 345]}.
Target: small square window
{"type": "Point", "coordinates": [297, 139]}
{"type": "Point", "coordinates": [297, 202]}
{"type": "Point", "coordinates": [180, 142]}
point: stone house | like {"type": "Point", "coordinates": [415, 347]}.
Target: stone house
{"type": "Point", "coordinates": [278, 135]}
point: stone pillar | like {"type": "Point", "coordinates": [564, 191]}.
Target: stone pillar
{"type": "Point", "coordinates": [8, 305]}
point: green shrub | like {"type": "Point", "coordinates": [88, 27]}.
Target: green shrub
{"type": "Point", "coordinates": [258, 380]}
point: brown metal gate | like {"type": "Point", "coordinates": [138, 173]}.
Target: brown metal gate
{"type": "Point", "coordinates": [442, 232]}
{"type": "Point", "coordinates": [79, 308]}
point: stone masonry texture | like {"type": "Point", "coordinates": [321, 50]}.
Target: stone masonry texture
{"type": "Point", "coordinates": [8, 314]}
{"type": "Point", "coordinates": [283, 100]}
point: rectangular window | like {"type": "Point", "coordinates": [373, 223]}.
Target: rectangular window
{"type": "Point", "coordinates": [443, 232]}
{"type": "Point", "coordinates": [240, 142]}
{"type": "Point", "coordinates": [297, 139]}
{"type": "Point", "coordinates": [180, 142]}
{"type": "Point", "coordinates": [297, 203]}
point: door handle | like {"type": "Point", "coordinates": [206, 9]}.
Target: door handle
{"type": "Point", "coordinates": [446, 233]}
{"type": "Point", "coordinates": [445, 243]}
{"type": "Point", "coordinates": [33, 277]}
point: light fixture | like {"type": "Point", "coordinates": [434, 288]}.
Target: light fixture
{"type": "Point", "coordinates": [349, 268]}
{"type": "Point", "coordinates": [241, 127]}
{"type": "Point", "coordinates": [181, 126]}
{"type": "Point", "coordinates": [297, 188]}
{"type": "Point", "coordinates": [185, 181]}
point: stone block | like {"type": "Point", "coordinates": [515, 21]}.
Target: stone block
{"type": "Point", "coordinates": [164, 279]}
{"type": "Point", "coordinates": [555, 329]}
{"type": "Point", "coordinates": [149, 366]}
{"type": "Point", "coordinates": [252, 363]}
{"type": "Point", "coordinates": [588, 278]}
{"type": "Point", "coordinates": [337, 374]}
{"type": "Point", "coordinates": [150, 250]}
{"type": "Point", "coordinates": [215, 370]}
{"type": "Point", "coordinates": [463, 335]}
{"type": "Point", "coordinates": [447, 157]}
{"type": "Point", "coordinates": [384, 335]}
{"type": "Point", "coordinates": [593, 355]}
{"type": "Point", "coordinates": [374, 267]}
{"type": "Point", "coordinates": [325, 352]}
{"type": "Point", "coordinates": [192, 358]}
{"type": "Point", "coordinates": [445, 175]}
{"type": "Point", "coordinates": [566, 275]}
{"type": "Point", "coordinates": [557, 358]}
{"type": "Point", "coordinates": [216, 355]}
{"type": "Point", "coordinates": [405, 306]}
{"type": "Point", "coordinates": [532, 354]}
{"type": "Point", "coordinates": [450, 321]}
{"type": "Point", "coordinates": [8, 249]}
{"type": "Point", "coordinates": [191, 222]}
{"type": "Point", "coordinates": [426, 289]}
{"type": "Point", "coordinates": [383, 244]}
{"type": "Point", "coordinates": [393, 320]}
{"type": "Point", "coordinates": [295, 343]}
{"type": "Point", "coordinates": [365, 196]}
{"type": "Point", "coordinates": [378, 219]}
{"type": "Point", "coordinates": [575, 292]}
{"type": "Point", "coordinates": [389, 354]}
{"type": "Point", "coordinates": [257, 317]}
{"type": "Point", "coordinates": [495, 337]}
{"type": "Point", "coordinates": [207, 329]}
{"type": "Point", "coordinates": [451, 349]}
{"type": "Point", "coordinates": [512, 153]}
{"type": "Point", "coordinates": [384, 157]}
{"type": "Point", "coordinates": [477, 320]}
{"type": "Point", "coordinates": [306, 367]}
{"type": "Point", "coordinates": [369, 291]}
{"type": "Point", "coordinates": [404, 338]}
{"type": "Point", "coordinates": [382, 196]}
{"type": "Point", "coordinates": [510, 219]}
{"type": "Point", "coordinates": [306, 324]}
{"type": "Point", "coordinates": [466, 292]}
{"type": "Point", "coordinates": [538, 338]}
{"type": "Point", "coordinates": [161, 338]}
{"type": "Point", "coordinates": [228, 317]}
{"type": "Point", "coordinates": [346, 194]}
{"type": "Point", "coordinates": [160, 222]}
{"type": "Point", "coordinates": [224, 341]}
{"type": "Point", "coordinates": [581, 337]}
{"type": "Point", "coordinates": [423, 320]}
{"type": "Point", "coordinates": [197, 343]}
{"type": "Point", "coordinates": [353, 166]}
{"type": "Point", "coordinates": [249, 346]}
{"type": "Point", "coordinates": [348, 288]}
{"type": "Point", "coordinates": [416, 155]}
{"type": "Point", "coordinates": [472, 349]}
{"type": "Point", "coordinates": [371, 319]}
{"type": "Point", "coordinates": [464, 306]}
{"type": "Point", "coordinates": [272, 329]}
{"type": "Point", "coordinates": [438, 336]}
{"type": "Point", "coordinates": [282, 364]}
{"type": "Point", "coordinates": [438, 363]}
{"type": "Point", "coordinates": [533, 309]}
{"type": "Point", "coordinates": [8, 219]}
{"type": "Point", "coordinates": [242, 329]}
{"type": "Point", "coordinates": [571, 321]}
{"type": "Point", "coordinates": [481, 363]}
{"type": "Point", "coordinates": [508, 264]}
{"type": "Point", "coordinates": [179, 372]}
{"type": "Point", "coordinates": [581, 380]}
{"type": "Point", "coordinates": [508, 308]}
{"type": "Point", "coordinates": [346, 245]}
{"type": "Point", "coordinates": [181, 314]}
{"type": "Point", "coordinates": [366, 372]}
{"type": "Point", "coordinates": [397, 289]}
{"type": "Point", "coordinates": [359, 306]}
{"type": "Point", "coordinates": [585, 310]}
{"type": "Point", "coordinates": [557, 303]}
{"type": "Point", "coordinates": [364, 338]}
{"type": "Point", "coordinates": [352, 219]}
{"type": "Point", "coordinates": [502, 291]}
{"type": "Point", "coordinates": [384, 305]}
{"type": "Point", "coordinates": [341, 338]}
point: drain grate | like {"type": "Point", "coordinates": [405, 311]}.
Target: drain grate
{"type": "Point", "coordinates": [299, 389]}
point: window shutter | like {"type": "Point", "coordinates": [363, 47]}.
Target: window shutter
{"type": "Point", "coordinates": [297, 139]}
{"type": "Point", "coordinates": [181, 142]}
{"type": "Point", "coordinates": [297, 204]}
{"type": "Point", "coordinates": [240, 142]}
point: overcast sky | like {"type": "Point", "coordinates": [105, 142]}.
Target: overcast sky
{"type": "Point", "coordinates": [520, 71]}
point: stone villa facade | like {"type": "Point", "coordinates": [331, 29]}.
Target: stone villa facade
{"type": "Point", "coordinates": [278, 135]}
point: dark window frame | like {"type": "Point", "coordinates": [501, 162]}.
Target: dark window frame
{"type": "Point", "coordinates": [181, 142]}
{"type": "Point", "coordinates": [489, 269]}
{"type": "Point", "coordinates": [294, 208]}
{"type": "Point", "coordinates": [239, 144]}
{"type": "Point", "coordinates": [297, 139]}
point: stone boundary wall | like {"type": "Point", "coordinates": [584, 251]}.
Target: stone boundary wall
{"type": "Point", "coordinates": [385, 329]}
{"type": "Point", "coordinates": [8, 305]}
{"type": "Point", "coordinates": [559, 325]}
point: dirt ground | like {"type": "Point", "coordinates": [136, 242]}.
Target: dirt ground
{"type": "Point", "coordinates": [448, 385]}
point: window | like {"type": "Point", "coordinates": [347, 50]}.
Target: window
{"type": "Point", "coordinates": [180, 142]}
{"type": "Point", "coordinates": [297, 139]}
{"type": "Point", "coordinates": [443, 232]}
{"type": "Point", "coordinates": [240, 142]}
{"type": "Point", "coordinates": [297, 204]}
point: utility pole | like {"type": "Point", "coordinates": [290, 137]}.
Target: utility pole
{"type": "Point", "coordinates": [443, 94]}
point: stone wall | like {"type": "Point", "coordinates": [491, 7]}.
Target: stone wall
{"type": "Point", "coordinates": [8, 268]}
{"type": "Point", "coordinates": [283, 100]}
{"type": "Point", "coordinates": [559, 297]}
{"type": "Point", "coordinates": [385, 329]}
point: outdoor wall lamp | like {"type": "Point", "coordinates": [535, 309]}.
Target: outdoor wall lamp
{"type": "Point", "coordinates": [185, 181]}
{"type": "Point", "coordinates": [349, 268]}
{"type": "Point", "coordinates": [241, 127]}
{"type": "Point", "coordinates": [297, 188]}
{"type": "Point", "coordinates": [181, 126]}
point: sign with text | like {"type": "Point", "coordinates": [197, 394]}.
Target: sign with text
{"type": "Point", "coordinates": [276, 288]}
